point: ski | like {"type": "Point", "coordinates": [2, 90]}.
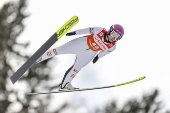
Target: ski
{"type": "Point", "coordinates": [54, 38]}
{"type": "Point", "coordinates": [136, 80]}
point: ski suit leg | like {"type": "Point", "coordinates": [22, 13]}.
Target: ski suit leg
{"type": "Point", "coordinates": [83, 56]}
{"type": "Point", "coordinates": [68, 48]}
{"type": "Point", "coordinates": [78, 47]}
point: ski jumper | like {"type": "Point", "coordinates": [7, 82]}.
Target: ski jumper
{"type": "Point", "coordinates": [85, 48]}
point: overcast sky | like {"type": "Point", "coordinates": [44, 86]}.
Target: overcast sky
{"type": "Point", "coordinates": [143, 51]}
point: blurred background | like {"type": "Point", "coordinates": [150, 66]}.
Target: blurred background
{"type": "Point", "coordinates": [143, 51]}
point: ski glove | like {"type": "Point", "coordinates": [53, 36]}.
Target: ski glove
{"type": "Point", "coordinates": [95, 59]}
{"type": "Point", "coordinates": [71, 33]}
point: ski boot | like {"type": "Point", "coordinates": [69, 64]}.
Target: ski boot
{"type": "Point", "coordinates": [68, 87]}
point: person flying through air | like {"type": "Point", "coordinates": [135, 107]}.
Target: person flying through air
{"type": "Point", "coordinates": [92, 47]}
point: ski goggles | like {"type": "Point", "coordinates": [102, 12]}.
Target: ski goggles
{"type": "Point", "coordinates": [115, 35]}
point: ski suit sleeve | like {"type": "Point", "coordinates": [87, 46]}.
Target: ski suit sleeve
{"type": "Point", "coordinates": [105, 52]}
{"type": "Point", "coordinates": [90, 30]}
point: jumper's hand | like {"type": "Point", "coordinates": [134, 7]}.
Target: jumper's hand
{"type": "Point", "coordinates": [70, 33]}
{"type": "Point", "coordinates": [95, 59]}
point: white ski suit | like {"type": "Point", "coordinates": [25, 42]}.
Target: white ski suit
{"type": "Point", "coordinates": [85, 48]}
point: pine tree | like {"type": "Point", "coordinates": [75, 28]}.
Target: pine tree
{"type": "Point", "coordinates": [12, 16]}
{"type": "Point", "coordinates": [147, 104]}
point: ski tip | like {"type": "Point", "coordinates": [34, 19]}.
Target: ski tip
{"type": "Point", "coordinates": [142, 77]}
{"type": "Point", "coordinates": [75, 16]}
